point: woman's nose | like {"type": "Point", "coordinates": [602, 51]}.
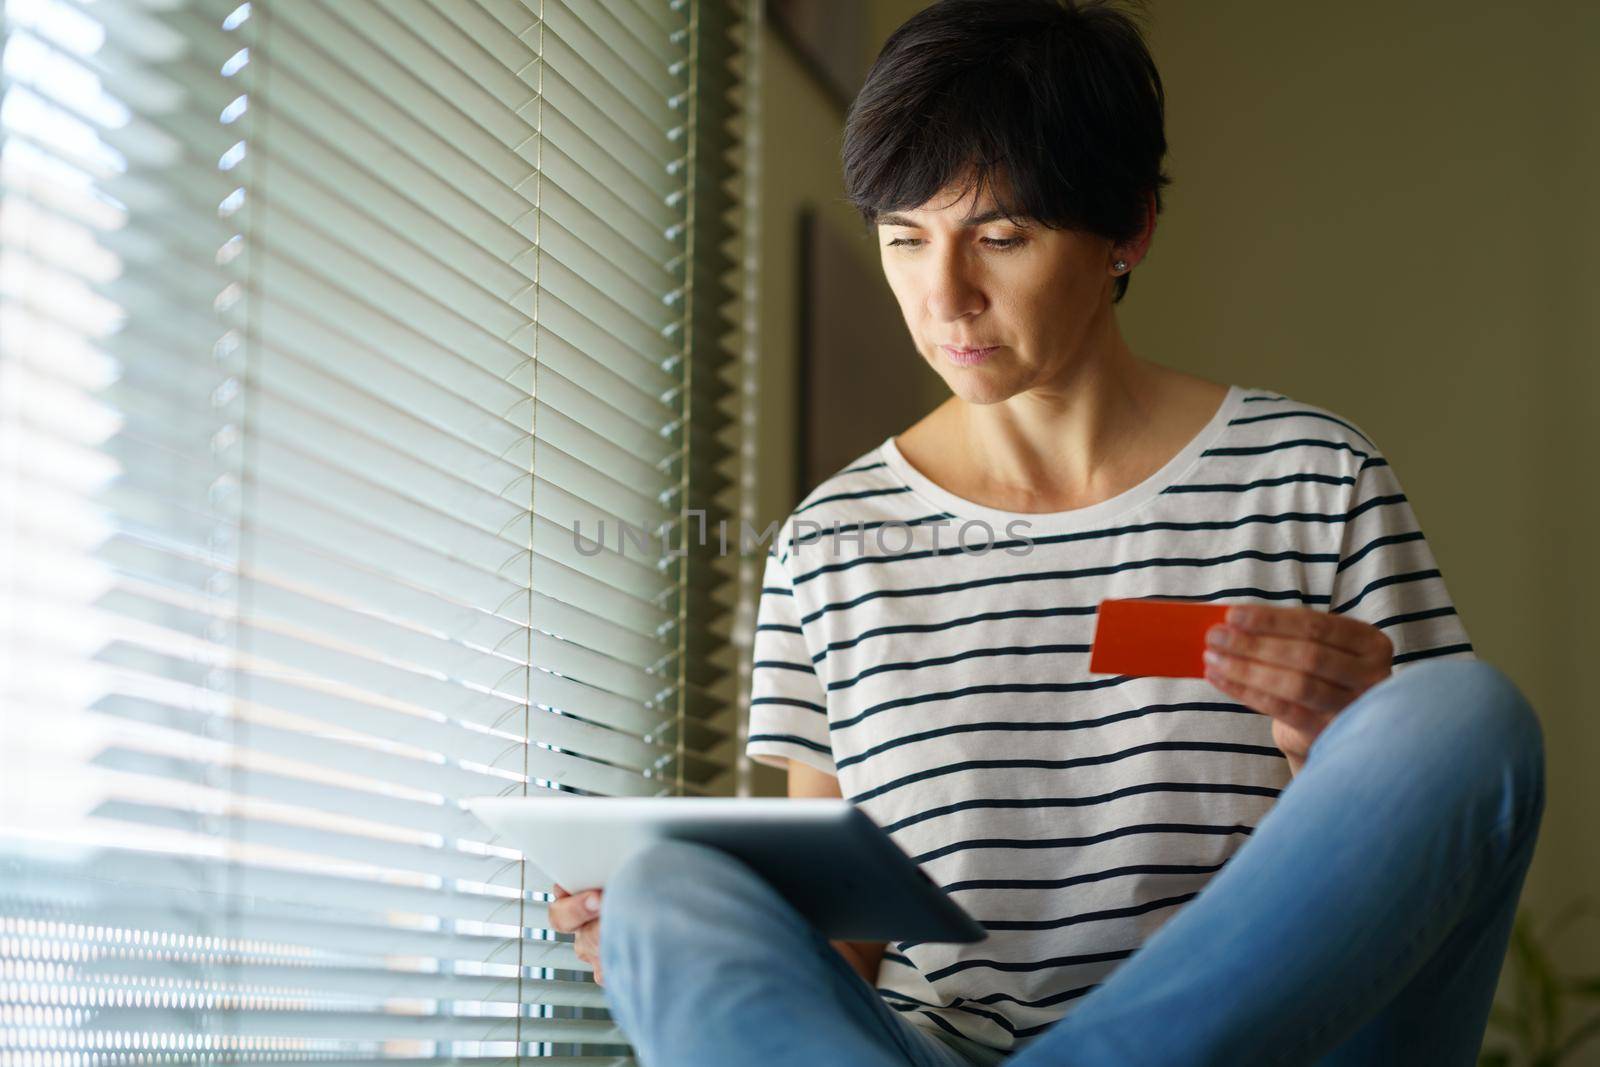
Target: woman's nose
{"type": "Point", "coordinates": [954, 293]}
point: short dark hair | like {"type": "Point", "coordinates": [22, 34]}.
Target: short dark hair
{"type": "Point", "coordinates": [1061, 96]}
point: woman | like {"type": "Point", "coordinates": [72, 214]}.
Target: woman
{"type": "Point", "coordinates": [922, 648]}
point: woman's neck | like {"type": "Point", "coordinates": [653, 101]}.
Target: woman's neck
{"type": "Point", "coordinates": [1074, 443]}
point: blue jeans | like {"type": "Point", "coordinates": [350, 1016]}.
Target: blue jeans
{"type": "Point", "coordinates": [1364, 922]}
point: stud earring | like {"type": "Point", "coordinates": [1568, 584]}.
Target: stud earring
{"type": "Point", "coordinates": [1119, 266]}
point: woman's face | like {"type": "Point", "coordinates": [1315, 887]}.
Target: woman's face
{"type": "Point", "coordinates": [1032, 294]}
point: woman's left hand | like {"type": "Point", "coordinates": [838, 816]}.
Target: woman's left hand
{"type": "Point", "coordinates": [1298, 665]}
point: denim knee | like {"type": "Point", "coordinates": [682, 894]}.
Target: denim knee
{"type": "Point", "coordinates": [669, 869]}
{"type": "Point", "coordinates": [1468, 716]}
{"type": "Point", "coordinates": [1481, 709]}
{"type": "Point", "coordinates": [667, 889]}
{"type": "Point", "coordinates": [1502, 717]}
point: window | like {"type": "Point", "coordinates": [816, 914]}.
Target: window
{"type": "Point", "coordinates": [326, 326]}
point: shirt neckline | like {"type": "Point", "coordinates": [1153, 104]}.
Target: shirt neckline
{"type": "Point", "coordinates": [1105, 511]}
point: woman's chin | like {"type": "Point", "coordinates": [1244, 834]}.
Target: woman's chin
{"type": "Point", "coordinates": [981, 388]}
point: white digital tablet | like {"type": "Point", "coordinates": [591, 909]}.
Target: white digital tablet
{"type": "Point", "coordinates": [827, 859]}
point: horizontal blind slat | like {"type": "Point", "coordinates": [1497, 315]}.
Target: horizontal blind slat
{"type": "Point", "coordinates": [89, 876]}
{"type": "Point", "coordinates": [320, 529]}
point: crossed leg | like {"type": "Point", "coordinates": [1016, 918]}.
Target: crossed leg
{"type": "Point", "coordinates": [1364, 922]}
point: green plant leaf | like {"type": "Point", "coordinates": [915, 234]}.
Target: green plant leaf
{"type": "Point", "coordinates": [1578, 1037]}
{"type": "Point", "coordinates": [1584, 905]}
{"type": "Point", "coordinates": [1513, 1022]}
{"type": "Point", "coordinates": [1540, 991]}
{"type": "Point", "coordinates": [1584, 987]}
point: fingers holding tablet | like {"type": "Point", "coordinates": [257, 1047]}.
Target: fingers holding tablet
{"type": "Point", "coordinates": [785, 840]}
{"type": "Point", "coordinates": [579, 914]}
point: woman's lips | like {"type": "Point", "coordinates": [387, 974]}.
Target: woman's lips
{"type": "Point", "coordinates": [967, 357]}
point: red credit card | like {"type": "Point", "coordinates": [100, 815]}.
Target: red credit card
{"type": "Point", "coordinates": [1153, 637]}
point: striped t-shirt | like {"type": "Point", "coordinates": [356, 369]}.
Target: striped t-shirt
{"type": "Point", "coordinates": [948, 687]}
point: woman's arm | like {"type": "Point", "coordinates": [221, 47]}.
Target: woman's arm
{"type": "Point", "coordinates": [864, 956]}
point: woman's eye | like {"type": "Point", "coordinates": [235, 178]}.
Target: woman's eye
{"type": "Point", "coordinates": [998, 243]}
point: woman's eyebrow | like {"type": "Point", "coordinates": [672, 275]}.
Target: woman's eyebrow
{"type": "Point", "coordinates": [976, 220]}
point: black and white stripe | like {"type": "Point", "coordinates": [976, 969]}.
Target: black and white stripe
{"type": "Point", "coordinates": [1071, 813]}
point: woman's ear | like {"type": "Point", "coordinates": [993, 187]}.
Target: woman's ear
{"type": "Point", "coordinates": [1132, 251]}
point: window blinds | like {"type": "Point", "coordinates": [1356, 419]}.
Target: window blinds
{"type": "Point", "coordinates": [323, 324]}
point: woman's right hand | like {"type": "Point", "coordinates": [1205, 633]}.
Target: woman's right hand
{"type": "Point", "coordinates": [579, 913]}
